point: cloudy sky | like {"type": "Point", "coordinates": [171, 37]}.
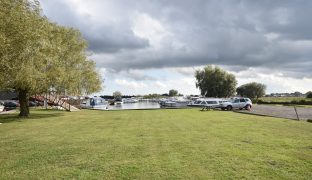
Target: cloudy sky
{"type": "Point", "coordinates": [152, 46]}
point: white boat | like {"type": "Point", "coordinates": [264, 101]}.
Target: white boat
{"type": "Point", "coordinates": [202, 102]}
{"type": "Point", "coordinates": [129, 100]}
{"type": "Point", "coordinates": [118, 103]}
{"type": "Point", "coordinates": [1, 107]}
{"type": "Point", "coordinates": [174, 102]}
{"type": "Point", "coordinates": [94, 103]}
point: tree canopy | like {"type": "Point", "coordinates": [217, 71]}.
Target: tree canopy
{"type": "Point", "coordinates": [309, 94]}
{"type": "Point", "coordinates": [36, 54]}
{"type": "Point", "coordinates": [252, 90]}
{"type": "Point", "coordinates": [117, 95]}
{"type": "Point", "coordinates": [173, 92]}
{"type": "Point", "coordinates": [215, 82]}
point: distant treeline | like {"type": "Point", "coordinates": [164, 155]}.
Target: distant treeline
{"type": "Point", "coordinates": [112, 97]}
{"type": "Point", "coordinates": [148, 96]}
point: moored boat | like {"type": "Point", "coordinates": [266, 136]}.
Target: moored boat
{"type": "Point", "coordinates": [174, 102]}
{"type": "Point", "coordinates": [129, 100]}
{"type": "Point", "coordinates": [94, 103]}
{"type": "Point", "coordinates": [203, 102]}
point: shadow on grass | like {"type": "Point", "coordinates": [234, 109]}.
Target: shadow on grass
{"type": "Point", "coordinates": [34, 115]}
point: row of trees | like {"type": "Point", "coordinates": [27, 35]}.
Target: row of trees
{"type": "Point", "coordinates": [172, 92]}
{"type": "Point", "coordinates": [215, 82]}
{"type": "Point", "coordinates": [37, 55]}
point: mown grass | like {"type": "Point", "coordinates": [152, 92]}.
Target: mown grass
{"type": "Point", "coordinates": [154, 144]}
{"type": "Point", "coordinates": [284, 99]}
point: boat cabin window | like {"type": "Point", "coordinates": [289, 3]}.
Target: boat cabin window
{"type": "Point", "coordinates": [203, 102]}
{"type": "Point", "coordinates": [197, 102]}
{"type": "Point", "coordinates": [212, 102]}
{"type": "Point", "coordinates": [99, 101]}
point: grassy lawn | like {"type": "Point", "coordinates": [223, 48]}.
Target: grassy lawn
{"type": "Point", "coordinates": [154, 144]}
{"type": "Point", "coordinates": [284, 99]}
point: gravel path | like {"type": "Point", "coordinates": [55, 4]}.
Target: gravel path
{"type": "Point", "coordinates": [281, 111]}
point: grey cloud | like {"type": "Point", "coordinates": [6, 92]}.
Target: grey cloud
{"type": "Point", "coordinates": [105, 39]}
{"type": "Point", "coordinates": [223, 32]}
{"type": "Point", "coordinates": [137, 75]}
{"type": "Point", "coordinates": [101, 38]}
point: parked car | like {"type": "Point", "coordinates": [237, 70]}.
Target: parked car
{"type": "Point", "coordinates": [237, 103]}
{"type": "Point", "coordinates": [32, 103]}
{"type": "Point", "coordinates": [1, 107]}
{"type": "Point", "coordinates": [10, 105]}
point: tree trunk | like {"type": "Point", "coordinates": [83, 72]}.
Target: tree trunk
{"type": "Point", "coordinates": [24, 103]}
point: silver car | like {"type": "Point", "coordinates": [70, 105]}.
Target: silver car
{"type": "Point", "coordinates": [237, 103]}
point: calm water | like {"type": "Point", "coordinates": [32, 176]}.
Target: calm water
{"type": "Point", "coordinates": [138, 105]}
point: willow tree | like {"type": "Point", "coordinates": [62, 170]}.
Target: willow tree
{"type": "Point", "coordinates": [36, 55]}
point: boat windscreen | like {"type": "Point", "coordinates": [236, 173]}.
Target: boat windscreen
{"type": "Point", "coordinates": [197, 102]}
{"type": "Point", "coordinates": [99, 102]}
{"type": "Point", "coordinates": [212, 102]}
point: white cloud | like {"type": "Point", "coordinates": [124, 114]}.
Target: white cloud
{"type": "Point", "coordinates": [130, 84]}
{"type": "Point", "coordinates": [159, 84]}
{"type": "Point", "coordinates": [275, 80]}
{"type": "Point", "coordinates": [146, 27]}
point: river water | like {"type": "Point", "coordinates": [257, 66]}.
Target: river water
{"type": "Point", "coordinates": [138, 105]}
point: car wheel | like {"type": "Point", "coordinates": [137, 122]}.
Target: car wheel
{"type": "Point", "coordinates": [248, 107]}
{"type": "Point", "coordinates": [229, 108]}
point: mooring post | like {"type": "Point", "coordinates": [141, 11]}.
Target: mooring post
{"type": "Point", "coordinates": [296, 113]}
{"type": "Point", "coordinates": [46, 101]}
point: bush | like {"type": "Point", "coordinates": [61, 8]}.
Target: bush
{"type": "Point", "coordinates": [303, 102]}
{"type": "Point", "coordinates": [293, 102]}
{"type": "Point", "coordinates": [260, 101]}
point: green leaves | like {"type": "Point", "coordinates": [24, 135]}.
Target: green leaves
{"type": "Point", "coordinates": [252, 90]}
{"type": "Point", "coordinates": [36, 55]}
{"type": "Point", "coordinates": [117, 94]}
{"type": "Point", "coordinates": [215, 82]}
{"type": "Point", "coordinates": [173, 92]}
